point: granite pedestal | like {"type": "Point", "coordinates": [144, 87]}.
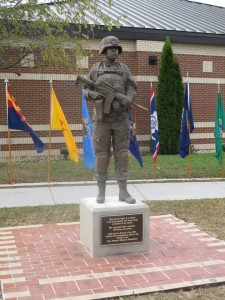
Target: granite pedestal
{"type": "Point", "coordinates": [114, 227]}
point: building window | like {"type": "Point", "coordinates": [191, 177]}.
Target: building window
{"type": "Point", "coordinates": [83, 62]}
{"type": "Point", "coordinates": [27, 61]}
{"type": "Point", "coordinates": [207, 66]}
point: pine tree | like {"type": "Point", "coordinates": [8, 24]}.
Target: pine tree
{"type": "Point", "coordinates": [179, 100]}
{"type": "Point", "coordinates": [169, 101]}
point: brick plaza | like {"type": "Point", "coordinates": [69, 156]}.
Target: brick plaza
{"type": "Point", "coordinates": [43, 262]}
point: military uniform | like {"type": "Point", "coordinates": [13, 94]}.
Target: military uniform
{"type": "Point", "coordinates": [113, 127]}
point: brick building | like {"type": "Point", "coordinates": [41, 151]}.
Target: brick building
{"type": "Point", "coordinates": [197, 34]}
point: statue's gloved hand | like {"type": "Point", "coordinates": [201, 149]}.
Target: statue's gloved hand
{"type": "Point", "coordinates": [124, 102]}
{"type": "Point", "coordinates": [93, 95]}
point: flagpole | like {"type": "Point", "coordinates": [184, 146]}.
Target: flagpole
{"type": "Point", "coordinates": [189, 147]}
{"type": "Point", "coordinates": [135, 120]}
{"type": "Point", "coordinates": [189, 154]}
{"type": "Point", "coordinates": [49, 135]}
{"type": "Point", "coordinates": [222, 169]}
{"type": "Point", "coordinates": [222, 164]}
{"type": "Point", "coordinates": [154, 162]}
{"type": "Point", "coordinates": [9, 137]}
{"type": "Point", "coordinates": [85, 175]}
{"type": "Point", "coordinates": [154, 171]}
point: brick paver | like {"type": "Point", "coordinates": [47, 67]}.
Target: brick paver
{"type": "Point", "coordinates": [48, 262]}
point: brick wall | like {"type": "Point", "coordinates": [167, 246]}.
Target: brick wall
{"type": "Point", "coordinates": [205, 66]}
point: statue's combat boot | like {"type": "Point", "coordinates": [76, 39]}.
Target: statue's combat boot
{"type": "Point", "coordinates": [101, 192]}
{"type": "Point", "coordinates": [123, 193]}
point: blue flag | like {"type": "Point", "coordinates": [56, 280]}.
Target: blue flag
{"type": "Point", "coordinates": [187, 125]}
{"type": "Point", "coordinates": [154, 126]}
{"type": "Point", "coordinates": [88, 149]}
{"type": "Point", "coordinates": [16, 120]}
{"type": "Point", "coordinates": [133, 147]}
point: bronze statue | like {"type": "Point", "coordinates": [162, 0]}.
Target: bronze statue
{"type": "Point", "coordinates": [111, 86]}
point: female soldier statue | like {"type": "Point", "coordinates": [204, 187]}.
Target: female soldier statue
{"type": "Point", "coordinates": [112, 127]}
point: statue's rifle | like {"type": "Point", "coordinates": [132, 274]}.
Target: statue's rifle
{"type": "Point", "coordinates": [108, 92]}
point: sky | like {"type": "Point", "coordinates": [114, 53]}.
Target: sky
{"type": "Point", "coordinates": [212, 2]}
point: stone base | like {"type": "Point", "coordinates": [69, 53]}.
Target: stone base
{"type": "Point", "coordinates": [114, 227]}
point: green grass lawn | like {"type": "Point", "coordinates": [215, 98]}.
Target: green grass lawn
{"type": "Point", "coordinates": [167, 167]}
{"type": "Point", "coordinates": [208, 214]}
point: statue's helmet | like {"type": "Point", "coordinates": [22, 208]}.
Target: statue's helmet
{"type": "Point", "coordinates": [109, 41]}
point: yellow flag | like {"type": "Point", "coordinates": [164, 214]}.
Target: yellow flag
{"type": "Point", "coordinates": [59, 122]}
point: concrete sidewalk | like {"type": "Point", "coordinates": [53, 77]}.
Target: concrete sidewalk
{"type": "Point", "coordinates": [64, 193]}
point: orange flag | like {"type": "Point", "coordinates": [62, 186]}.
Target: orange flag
{"type": "Point", "coordinates": [59, 122]}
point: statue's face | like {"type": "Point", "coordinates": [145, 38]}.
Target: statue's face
{"type": "Point", "coordinates": [112, 53]}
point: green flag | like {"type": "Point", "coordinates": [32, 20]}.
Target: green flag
{"type": "Point", "coordinates": [219, 126]}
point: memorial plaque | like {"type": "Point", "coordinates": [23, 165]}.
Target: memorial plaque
{"type": "Point", "coordinates": [122, 229]}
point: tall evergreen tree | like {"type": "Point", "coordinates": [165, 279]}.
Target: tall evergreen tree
{"type": "Point", "coordinates": [179, 99]}
{"type": "Point", "coordinates": [169, 101]}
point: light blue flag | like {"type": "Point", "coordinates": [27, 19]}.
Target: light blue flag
{"type": "Point", "coordinates": [88, 149]}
